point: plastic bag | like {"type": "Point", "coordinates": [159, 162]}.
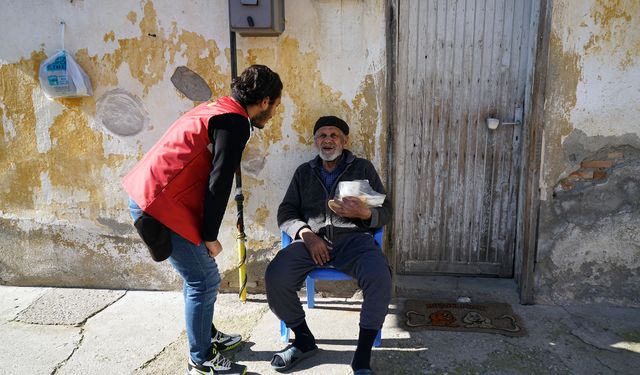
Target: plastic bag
{"type": "Point", "coordinates": [360, 189]}
{"type": "Point", "coordinates": [62, 77]}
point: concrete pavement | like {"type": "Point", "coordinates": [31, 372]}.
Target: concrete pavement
{"type": "Point", "coordinates": [84, 331]}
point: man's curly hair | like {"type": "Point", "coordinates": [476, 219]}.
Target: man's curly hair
{"type": "Point", "coordinates": [256, 83]}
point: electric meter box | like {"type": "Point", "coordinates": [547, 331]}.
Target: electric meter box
{"type": "Point", "coordinates": [256, 17]}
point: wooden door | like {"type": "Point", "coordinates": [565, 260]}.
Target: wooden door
{"type": "Point", "coordinates": [458, 62]}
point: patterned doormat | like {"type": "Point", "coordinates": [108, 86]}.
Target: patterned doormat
{"type": "Point", "coordinates": [462, 317]}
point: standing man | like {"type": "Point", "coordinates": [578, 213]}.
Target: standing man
{"type": "Point", "coordinates": [184, 183]}
{"type": "Point", "coordinates": [338, 235]}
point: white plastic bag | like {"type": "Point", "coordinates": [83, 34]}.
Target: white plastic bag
{"type": "Point", "coordinates": [360, 189]}
{"type": "Point", "coordinates": [62, 77]}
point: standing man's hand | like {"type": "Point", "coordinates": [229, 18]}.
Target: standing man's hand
{"type": "Point", "coordinates": [214, 248]}
{"type": "Point", "coordinates": [316, 246]}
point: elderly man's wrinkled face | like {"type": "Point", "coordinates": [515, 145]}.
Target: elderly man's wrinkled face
{"type": "Point", "coordinates": [330, 141]}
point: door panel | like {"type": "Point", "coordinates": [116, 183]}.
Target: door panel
{"type": "Point", "coordinates": [455, 181]}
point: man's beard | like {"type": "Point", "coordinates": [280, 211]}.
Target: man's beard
{"type": "Point", "coordinates": [333, 156]}
{"type": "Point", "coordinates": [261, 118]}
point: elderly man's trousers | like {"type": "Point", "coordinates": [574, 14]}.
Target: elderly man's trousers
{"type": "Point", "coordinates": [357, 255]}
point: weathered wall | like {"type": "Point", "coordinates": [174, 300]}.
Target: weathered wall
{"type": "Point", "coordinates": [63, 215]}
{"type": "Point", "coordinates": [589, 236]}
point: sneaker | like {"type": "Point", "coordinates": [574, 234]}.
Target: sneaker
{"type": "Point", "coordinates": [223, 342]}
{"type": "Point", "coordinates": [216, 365]}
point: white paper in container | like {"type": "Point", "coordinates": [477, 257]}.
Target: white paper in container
{"type": "Point", "coordinates": [360, 189]}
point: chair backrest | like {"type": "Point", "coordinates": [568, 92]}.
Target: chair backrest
{"type": "Point", "coordinates": [377, 236]}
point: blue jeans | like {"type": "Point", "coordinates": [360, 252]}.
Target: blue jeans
{"type": "Point", "coordinates": [201, 281]}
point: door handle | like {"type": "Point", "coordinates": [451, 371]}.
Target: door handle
{"type": "Point", "coordinates": [493, 123]}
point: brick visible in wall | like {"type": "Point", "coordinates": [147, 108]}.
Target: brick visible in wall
{"type": "Point", "coordinates": [567, 184]}
{"type": "Point", "coordinates": [599, 175]}
{"type": "Point", "coordinates": [597, 164]}
{"type": "Point", "coordinates": [581, 174]}
{"type": "Point", "coordinates": [591, 170]}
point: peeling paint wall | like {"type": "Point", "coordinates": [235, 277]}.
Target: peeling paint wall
{"type": "Point", "coordinates": [589, 237]}
{"type": "Point", "coordinates": [63, 214]}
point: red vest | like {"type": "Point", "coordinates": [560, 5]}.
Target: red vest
{"type": "Point", "coordinates": [170, 181]}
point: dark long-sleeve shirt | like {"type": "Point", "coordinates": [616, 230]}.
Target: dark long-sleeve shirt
{"type": "Point", "coordinates": [228, 134]}
{"type": "Point", "coordinates": [305, 202]}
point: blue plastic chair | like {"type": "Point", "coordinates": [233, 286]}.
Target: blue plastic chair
{"type": "Point", "coordinates": [324, 273]}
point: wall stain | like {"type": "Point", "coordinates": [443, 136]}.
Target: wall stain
{"type": "Point", "coordinates": [614, 25]}
{"type": "Point", "coordinates": [132, 17]}
{"type": "Point", "coordinates": [74, 144]}
{"type": "Point", "coordinates": [148, 67]}
{"type": "Point", "coordinates": [20, 165]}
{"type": "Point", "coordinates": [109, 37]}
{"type": "Point", "coordinates": [627, 61]}
{"type": "Point", "coordinates": [77, 156]}
{"type": "Point", "coordinates": [605, 11]}
{"type": "Point", "coordinates": [254, 245]}
{"type": "Point", "coordinates": [2, 135]}
{"type": "Point", "coordinates": [193, 46]}
{"type": "Point", "coordinates": [302, 83]}
{"type": "Point", "coordinates": [261, 215]}
{"type": "Point", "coordinates": [367, 113]}
{"type": "Point", "coordinates": [254, 159]}
{"type": "Point", "coordinates": [160, 48]}
{"type": "Point", "coordinates": [564, 74]}
{"type": "Point", "coordinates": [249, 185]}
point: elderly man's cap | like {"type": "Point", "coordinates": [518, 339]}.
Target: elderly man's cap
{"type": "Point", "coordinates": [331, 121]}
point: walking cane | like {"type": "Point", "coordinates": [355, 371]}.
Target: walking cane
{"type": "Point", "coordinates": [242, 238]}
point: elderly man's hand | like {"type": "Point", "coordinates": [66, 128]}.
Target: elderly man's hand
{"type": "Point", "coordinates": [316, 246]}
{"type": "Point", "coordinates": [351, 207]}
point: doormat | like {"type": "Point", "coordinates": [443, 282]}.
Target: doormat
{"type": "Point", "coordinates": [462, 317]}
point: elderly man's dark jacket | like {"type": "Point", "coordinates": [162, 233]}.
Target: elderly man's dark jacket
{"type": "Point", "coordinates": [305, 203]}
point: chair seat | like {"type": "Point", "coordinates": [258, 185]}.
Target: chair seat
{"type": "Point", "coordinates": [328, 273]}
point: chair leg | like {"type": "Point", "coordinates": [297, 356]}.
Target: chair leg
{"type": "Point", "coordinates": [284, 332]}
{"type": "Point", "coordinates": [311, 292]}
{"type": "Point", "coordinates": [378, 339]}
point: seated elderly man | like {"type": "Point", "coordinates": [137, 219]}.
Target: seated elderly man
{"type": "Point", "coordinates": [339, 236]}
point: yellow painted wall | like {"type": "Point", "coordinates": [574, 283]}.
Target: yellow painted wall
{"type": "Point", "coordinates": [62, 212]}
